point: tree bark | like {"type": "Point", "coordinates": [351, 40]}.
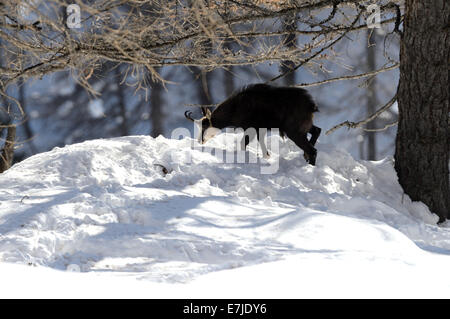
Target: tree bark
{"type": "Point", "coordinates": [26, 123]}
{"type": "Point", "coordinates": [422, 143]}
{"type": "Point", "coordinates": [7, 154]}
{"type": "Point", "coordinates": [289, 41]}
{"type": "Point", "coordinates": [229, 72]}
{"type": "Point", "coordinates": [202, 79]}
{"type": "Point", "coordinates": [120, 92]}
{"type": "Point", "coordinates": [372, 97]}
{"type": "Point", "coordinates": [156, 108]}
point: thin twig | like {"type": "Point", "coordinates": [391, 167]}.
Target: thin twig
{"type": "Point", "coordinates": [380, 129]}
{"type": "Point", "coordinates": [349, 77]}
{"type": "Point", "coordinates": [365, 121]}
{"type": "Point", "coordinates": [317, 53]}
{"type": "Point", "coordinates": [201, 105]}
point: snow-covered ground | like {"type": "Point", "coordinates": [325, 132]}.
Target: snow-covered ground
{"type": "Point", "coordinates": [105, 210]}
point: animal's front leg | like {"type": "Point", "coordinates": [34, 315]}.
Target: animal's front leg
{"type": "Point", "coordinates": [302, 142]}
{"type": "Point", "coordinates": [315, 132]}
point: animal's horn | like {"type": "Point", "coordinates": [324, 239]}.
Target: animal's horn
{"type": "Point", "coordinates": [206, 112]}
{"type": "Point", "coordinates": [188, 115]}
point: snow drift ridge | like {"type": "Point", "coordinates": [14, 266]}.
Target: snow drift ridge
{"type": "Point", "coordinates": [106, 205]}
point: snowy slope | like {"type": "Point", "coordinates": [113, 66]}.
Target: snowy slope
{"type": "Point", "coordinates": [105, 208]}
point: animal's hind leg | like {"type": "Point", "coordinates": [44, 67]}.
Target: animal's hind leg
{"type": "Point", "coordinates": [248, 136]}
{"type": "Point", "coordinates": [261, 138]}
{"type": "Point", "coordinates": [244, 142]}
{"type": "Point", "coordinates": [315, 132]}
{"type": "Point", "coordinates": [301, 140]}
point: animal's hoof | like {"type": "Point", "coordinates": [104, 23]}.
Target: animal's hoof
{"type": "Point", "coordinates": [306, 157]}
{"type": "Point", "coordinates": [266, 156]}
{"type": "Point", "coordinates": [311, 158]}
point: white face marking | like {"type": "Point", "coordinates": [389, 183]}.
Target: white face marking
{"type": "Point", "coordinates": [210, 133]}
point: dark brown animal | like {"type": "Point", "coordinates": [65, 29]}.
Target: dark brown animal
{"type": "Point", "coordinates": [262, 106]}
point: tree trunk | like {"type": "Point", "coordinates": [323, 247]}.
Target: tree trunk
{"type": "Point", "coordinates": [120, 92]}
{"type": "Point", "coordinates": [289, 41]}
{"type": "Point", "coordinates": [372, 97]}
{"type": "Point", "coordinates": [228, 80]}
{"type": "Point", "coordinates": [229, 73]}
{"type": "Point", "coordinates": [202, 79]}
{"type": "Point", "coordinates": [7, 154]}
{"type": "Point", "coordinates": [156, 108]}
{"type": "Point", "coordinates": [26, 123]}
{"type": "Point", "coordinates": [422, 144]}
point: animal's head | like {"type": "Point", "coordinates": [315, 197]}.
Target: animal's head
{"type": "Point", "coordinates": [207, 131]}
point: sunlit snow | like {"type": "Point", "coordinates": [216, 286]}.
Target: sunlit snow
{"type": "Point", "coordinates": [103, 218]}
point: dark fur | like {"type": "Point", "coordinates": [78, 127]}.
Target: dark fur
{"type": "Point", "coordinates": [263, 106]}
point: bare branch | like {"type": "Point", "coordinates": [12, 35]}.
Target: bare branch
{"type": "Point", "coordinates": [154, 33]}
{"type": "Point", "coordinates": [380, 129]}
{"type": "Point", "coordinates": [365, 121]}
{"type": "Point", "coordinates": [317, 53]}
{"type": "Point", "coordinates": [349, 77]}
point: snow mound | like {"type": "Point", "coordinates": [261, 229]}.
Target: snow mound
{"type": "Point", "coordinates": [160, 210]}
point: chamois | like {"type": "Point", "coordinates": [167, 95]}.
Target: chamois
{"type": "Point", "coordinates": [264, 106]}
